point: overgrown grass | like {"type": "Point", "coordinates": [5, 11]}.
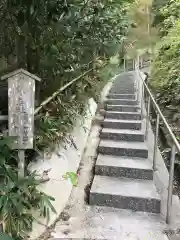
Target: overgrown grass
{"type": "Point", "coordinates": [19, 196]}
{"type": "Point", "coordinates": [60, 116]}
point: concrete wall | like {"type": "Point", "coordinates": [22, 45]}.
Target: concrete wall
{"type": "Point", "coordinates": [62, 161]}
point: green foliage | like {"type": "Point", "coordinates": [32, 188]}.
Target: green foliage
{"type": "Point", "coordinates": [168, 15]}
{"type": "Point", "coordinates": [19, 196]}
{"type": "Point", "coordinates": [55, 39]}
{"type": "Point", "coordinates": [165, 70]}
{"type": "Point", "coordinates": [156, 6]}
{"type": "Point", "coordinates": [73, 177]}
{"type": "Point", "coordinates": [142, 36]}
{"type": "Point", "coordinates": [111, 69]}
{"type": "Point", "coordinates": [166, 64]}
{"type": "Point", "coordinates": [4, 236]}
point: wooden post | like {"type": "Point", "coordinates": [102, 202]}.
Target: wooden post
{"type": "Point", "coordinates": [21, 98]}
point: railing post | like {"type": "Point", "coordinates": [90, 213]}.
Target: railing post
{"type": "Point", "coordinates": [138, 82]}
{"type": "Point", "coordinates": [124, 64]}
{"type": "Point", "coordinates": [170, 186]}
{"type": "Point", "coordinates": [141, 62]}
{"type": "Point", "coordinates": [147, 119]}
{"type": "Point", "coordinates": [134, 65]}
{"type": "Point", "coordinates": [156, 143]}
{"type": "Point", "coordinates": [139, 92]}
{"type": "Point", "coordinates": [142, 97]}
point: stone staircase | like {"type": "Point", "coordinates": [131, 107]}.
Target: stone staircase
{"type": "Point", "coordinates": [123, 173]}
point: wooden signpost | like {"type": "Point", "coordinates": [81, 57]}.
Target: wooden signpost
{"type": "Point", "coordinates": [21, 98]}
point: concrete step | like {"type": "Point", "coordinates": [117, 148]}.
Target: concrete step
{"type": "Point", "coordinates": [122, 82]}
{"type": "Point", "coordinates": [123, 85]}
{"type": "Point", "coordinates": [121, 102]}
{"type": "Point", "coordinates": [122, 91]}
{"type": "Point", "coordinates": [122, 115]}
{"type": "Point", "coordinates": [125, 80]}
{"type": "Point", "coordinates": [122, 108]}
{"type": "Point", "coordinates": [124, 193]}
{"type": "Point", "coordinates": [123, 135]}
{"type": "Point", "coordinates": [121, 148]}
{"type": "Point", "coordinates": [121, 124]}
{"type": "Point", "coordinates": [122, 96]}
{"type": "Point", "coordinates": [125, 75]}
{"type": "Point", "coordinates": [114, 166]}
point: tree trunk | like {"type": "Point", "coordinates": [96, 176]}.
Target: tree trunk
{"type": "Point", "coordinates": [21, 54]}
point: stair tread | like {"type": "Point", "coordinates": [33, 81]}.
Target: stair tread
{"type": "Point", "coordinates": [121, 120]}
{"type": "Point", "coordinates": [123, 162]}
{"type": "Point", "coordinates": [123, 144]}
{"type": "Point", "coordinates": [122, 131]}
{"type": "Point", "coordinates": [130, 113]}
{"type": "Point", "coordinates": [119, 105]}
{"type": "Point", "coordinates": [120, 99]}
{"type": "Point", "coordinates": [120, 94]}
{"type": "Point", "coordinates": [124, 96]}
{"type": "Point", "coordinates": [126, 187]}
{"type": "Point", "coordinates": [123, 86]}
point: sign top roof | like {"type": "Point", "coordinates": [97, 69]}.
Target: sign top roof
{"type": "Point", "coordinates": [20, 71]}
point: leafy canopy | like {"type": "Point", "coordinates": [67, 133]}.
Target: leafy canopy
{"type": "Point", "coordinates": [142, 36]}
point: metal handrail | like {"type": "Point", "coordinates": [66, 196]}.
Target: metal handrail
{"type": "Point", "coordinates": [162, 116]}
{"type": "Point", "coordinates": [175, 144]}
